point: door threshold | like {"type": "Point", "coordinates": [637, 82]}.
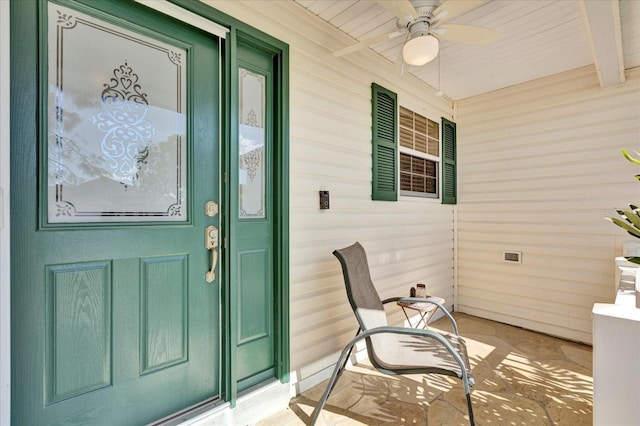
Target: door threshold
{"type": "Point", "coordinates": [190, 413]}
{"type": "Point", "coordinates": [251, 407]}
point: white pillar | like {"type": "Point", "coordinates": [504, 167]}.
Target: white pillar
{"type": "Point", "coordinates": [616, 363]}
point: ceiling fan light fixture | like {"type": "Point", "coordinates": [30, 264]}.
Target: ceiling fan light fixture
{"type": "Point", "coordinates": [420, 49]}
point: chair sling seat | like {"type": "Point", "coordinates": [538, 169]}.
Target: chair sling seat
{"type": "Point", "coordinates": [403, 354]}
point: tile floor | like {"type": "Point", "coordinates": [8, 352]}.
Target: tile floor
{"type": "Point", "coordinates": [522, 378]}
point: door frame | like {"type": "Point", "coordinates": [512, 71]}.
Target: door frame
{"type": "Point", "coordinates": [249, 37]}
{"type": "Point", "coordinates": [5, 261]}
{"type": "Point", "coordinates": [239, 33]}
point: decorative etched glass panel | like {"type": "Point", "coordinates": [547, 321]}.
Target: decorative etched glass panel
{"type": "Point", "coordinates": [117, 141]}
{"type": "Point", "coordinates": [251, 174]}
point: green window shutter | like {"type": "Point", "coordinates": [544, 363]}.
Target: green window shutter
{"type": "Point", "coordinates": [449, 184]}
{"type": "Point", "coordinates": [384, 109]}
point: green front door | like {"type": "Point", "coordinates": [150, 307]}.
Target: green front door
{"type": "Point", "coordinates": [114, 154]}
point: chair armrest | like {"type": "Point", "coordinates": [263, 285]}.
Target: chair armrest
{"type": "Point", "coordinates": [433, 302]}
{"type": "Point", "coordinates": [391, 299]}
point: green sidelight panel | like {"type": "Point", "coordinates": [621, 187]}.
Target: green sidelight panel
{"type": "Point", "coordinates": [254, 288]}
{"type": "Point", "coordinates": [255, 351]}
{"type": "Point", "coordinates": [254, 224]}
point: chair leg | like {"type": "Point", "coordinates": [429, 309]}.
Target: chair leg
{"type": "Point", "coordinates": [325, 395]}
{"type": "Point", "coordinates": [337, 371]}
{"type": "Point", "coordinates": [469, 407]}
{"type": "Point", "coordinates": [344, 364]}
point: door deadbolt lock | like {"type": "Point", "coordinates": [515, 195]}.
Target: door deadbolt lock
{"type": "Point", "coordinates": [211, 237]}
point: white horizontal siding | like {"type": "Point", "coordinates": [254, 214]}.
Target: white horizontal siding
{"type": "Point", "coordinates": [407, 242]}
{"type": "Point", "coordinates": [539, 167]}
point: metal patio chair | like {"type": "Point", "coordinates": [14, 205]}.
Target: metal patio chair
{"type": "Point", "coordinates": [395, 350]}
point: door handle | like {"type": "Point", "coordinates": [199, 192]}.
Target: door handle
{"type": "Point", "coordinates": [211, 243]}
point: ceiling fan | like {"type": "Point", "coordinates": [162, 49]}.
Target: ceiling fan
{"type": "Point", "coordinates": [423, 22]}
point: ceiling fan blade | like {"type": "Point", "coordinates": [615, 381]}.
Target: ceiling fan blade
{"type": "Point", "coordinates": [469, 34]}
{"type": "Point", "coordinates": [452, 8]}
{"type": "Point", "coordinates": [366, 43]}
{"type": "Point", "coordinates": [400, 8]}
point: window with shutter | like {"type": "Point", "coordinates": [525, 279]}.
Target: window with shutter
{"type": "Point", "coordinates": [384, 109]}
{"type": "Point", "coordinates": [400, 132]}
{"type": "Point", "coordinates": [449, 185]}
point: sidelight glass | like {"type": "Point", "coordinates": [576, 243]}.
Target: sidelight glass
{"type": "Point", "coordinates": [251, 145]}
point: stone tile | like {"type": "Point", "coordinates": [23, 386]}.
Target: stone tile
{"type": "Point", "coordinates": [350, 382]}
{"type": "Point", "coordinates": [315, 393]}
{"type": "Point", "coordinates": [532, 344]}
{"type": "Point", "coordinates": [329, 418]}
{"type": "Point", "coordinates": [361, 387]}
{"type": "Point", "coordinates": [474, 325]}
{"type": "Point", "coordinates": [370, 410]}
{"type": "Point", "coordinates": [546, 379]}
{"type": "Point", "coordinates": [487, 379]}
{"type": "Point", "coordinates": [441, 413]}
{"type": "Point", "coordinates": [522, 378]}
{"type": "Point", "coordinates": [489, 349]}
{"type": "Point", "coordinates": [300, 408]}
{"type": "Point", "coordinates": [580, 354]}
{"type": "Point", "coordinates": [500, 408]}
{"type": "Point", "coordinates": [420, 389]}
{"type": "Point", "coordinates": [284, 418]}
{"type": "Point", "coordinates": [571, 410]}
{"type": "Point", "coordinates": [394, 412]}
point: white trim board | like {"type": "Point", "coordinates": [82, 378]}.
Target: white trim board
{"type": "Point", "coordinates": [184, 15]}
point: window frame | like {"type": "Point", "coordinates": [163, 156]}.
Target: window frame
{"type": "Point", "coordinates": [437, 160]}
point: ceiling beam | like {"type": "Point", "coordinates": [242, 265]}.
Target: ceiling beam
{"type": "Point", "coordinates": [602, 23]}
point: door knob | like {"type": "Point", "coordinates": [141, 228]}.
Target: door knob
{"type": "Point", "coordinates": [211, 208]}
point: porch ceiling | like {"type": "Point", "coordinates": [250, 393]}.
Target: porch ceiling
{"type": "Point", "coordinates": [537, 38]}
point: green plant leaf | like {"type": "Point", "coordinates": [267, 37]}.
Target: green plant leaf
{"type": "Point", "coordinates": [621, 213]}
{"type": "Point", "coordinates": [626, 226]}
{"type": "Point", "coordinates": [629, 157]}
{"type": "Point", "coordinates": [632, 217]}
{"type": "Point", "coordinates": [633, 259]}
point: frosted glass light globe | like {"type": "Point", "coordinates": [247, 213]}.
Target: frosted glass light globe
{"type": "Point", "coordinates": [420, 50]}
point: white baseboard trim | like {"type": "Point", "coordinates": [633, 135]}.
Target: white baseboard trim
{"type": "Point", "coordinates": [250, 408]}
